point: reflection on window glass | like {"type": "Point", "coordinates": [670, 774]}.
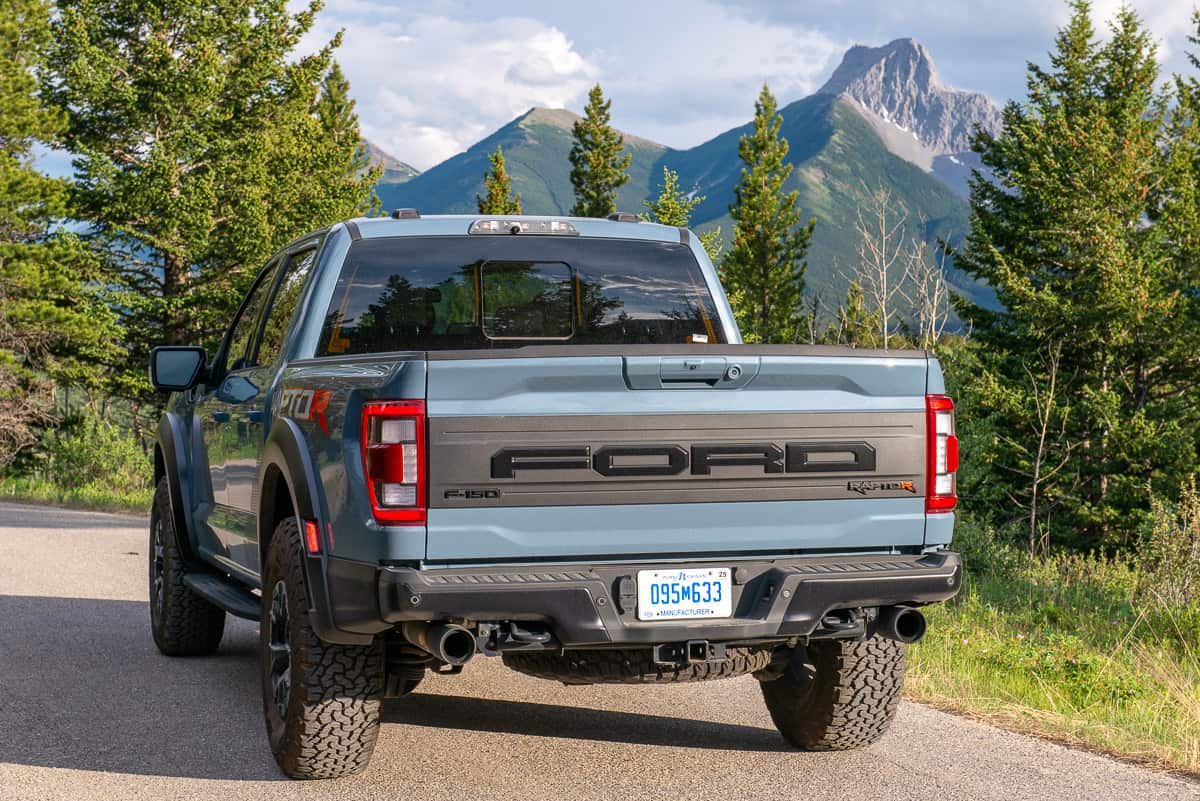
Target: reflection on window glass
{"type": "Point", "coordinates": [247, 323]}
{"type": "Point", "coordinates": [282, 307]}
{"type": "Point", "coordinates": [463, 292]}
{"type": "Point", "coordinates": [524, 300]}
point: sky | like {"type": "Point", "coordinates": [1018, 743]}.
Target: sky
{"type": "Point", "coordinates": [432, 78]}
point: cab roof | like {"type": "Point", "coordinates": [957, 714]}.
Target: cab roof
{"type": "Point", "coordinates": [459, 224]}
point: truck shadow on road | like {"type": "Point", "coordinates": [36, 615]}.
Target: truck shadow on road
{"type": "Point", "coordinates": [84, 688]}
{"type": "Point", "coordinates": [575, 723]}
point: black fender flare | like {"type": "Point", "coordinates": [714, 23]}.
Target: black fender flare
{"type": "Point", "coordinates": [171, 441]}
{"type": "Point", "coordinates": [287, 458]}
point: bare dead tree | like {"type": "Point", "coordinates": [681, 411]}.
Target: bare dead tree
{"type": "Point", "coordinates": [26, 400]}
{"type": "Point", "coordinates": [1051, 453]}
{"type": "Point", "coordinates": [926, 291]}
{"type": "Point", "coordinates": [881, 246]}
{"type": "Point", "coordinates": [814, 313]}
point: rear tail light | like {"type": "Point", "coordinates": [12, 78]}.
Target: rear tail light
{"type": "Point", "coordinates": [942, 454]}
{"type": "Point", "coordinates": [394, 460]}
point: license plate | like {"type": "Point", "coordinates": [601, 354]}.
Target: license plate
{"type": "Point", "coordinates": [684, 594]}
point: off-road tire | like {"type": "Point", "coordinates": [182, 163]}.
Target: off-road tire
{"type": "Point", "coordinates": [837, 694]}
{"type": "Point", "coordinates": [183, 623]}
{"type": "Point", "coordinates": [332, 707]}
{"type": "Point", "coordinates": [633, 666]}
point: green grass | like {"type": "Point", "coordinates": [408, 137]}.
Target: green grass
{"type": "Point", "coordinates": [107, 499]}
{"type": "Point", "coordinates": [1066, 648]}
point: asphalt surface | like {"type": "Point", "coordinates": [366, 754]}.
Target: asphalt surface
{"type": "Point", "coordinates": [90, 710]}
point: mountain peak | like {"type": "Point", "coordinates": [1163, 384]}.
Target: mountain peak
{"type": "Point", "coordinates": [396, 168]}
{"type": "Point", "coordinates": [898, 84]}
{"type": "Point", "coordinates": [565, 120]}
{"type": "Point", "coordinates": [900, 60]}
{"type": "Point", "coordinates": [554, 117]}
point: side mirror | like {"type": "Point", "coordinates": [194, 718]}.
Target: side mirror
{"type": "Point", "coordinates": [176, 368]}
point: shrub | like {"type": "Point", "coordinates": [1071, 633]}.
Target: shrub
{"type": "Point", "coordinates": [87, 452]}
{"type": "Point", "coordinates": [1170, 550]}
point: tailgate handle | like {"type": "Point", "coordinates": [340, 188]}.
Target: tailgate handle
{"type": "Point", "coordinates": [690, 372]}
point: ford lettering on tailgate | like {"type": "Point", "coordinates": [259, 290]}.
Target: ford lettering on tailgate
{"type": "Point", "coordinates": [668, 460]}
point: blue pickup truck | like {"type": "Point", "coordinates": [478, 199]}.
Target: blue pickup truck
{"type": "Point", "coordinates": [427, 439]}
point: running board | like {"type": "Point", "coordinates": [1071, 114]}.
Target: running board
{"type": "Point", "coordinates": [225, 594]}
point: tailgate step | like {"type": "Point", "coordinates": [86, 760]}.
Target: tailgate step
{"type": "Point", "coordinates": [224, 593]}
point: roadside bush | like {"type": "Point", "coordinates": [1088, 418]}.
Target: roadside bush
{"type": "Point", "coordinates": [86, 462]}
{"type": "Point", "coordinates": [1170, 551]}
{"type": "Point", "coordinates": [87, 452]}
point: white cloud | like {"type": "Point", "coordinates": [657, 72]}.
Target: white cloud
{"type": "Point", "coordinates": [428, 87]}
{"type": "Point", "coordinates": [431, 83]}
{"type": "Point", "coordinates": [681, 72]}
{"type": "Point", "coordinates": [433, 78]}
{"type": "Point", "coordinates": [981, 44]}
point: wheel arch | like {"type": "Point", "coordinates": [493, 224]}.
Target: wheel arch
{"type": "Point", "coordinates": [289, 485]}
{"type": "Point", "coordinates": [171, 462]}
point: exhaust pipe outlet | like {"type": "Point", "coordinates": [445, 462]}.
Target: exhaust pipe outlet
{"type": "Point", "coordinates": [450, 643]}
{"type": "Point", "coordinates": [901, 623]}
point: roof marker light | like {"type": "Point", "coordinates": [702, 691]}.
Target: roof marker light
{"type": "Point", "coordinates": [518, 226]}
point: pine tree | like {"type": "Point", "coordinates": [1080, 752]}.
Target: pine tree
{"type": "Point", "coordinates": [335, 110]}
{"type": "Point", "coordinates": [201, 147]}
{"type": "Point", "coordinates": [1059, 232]}
{"type": "Point", "coordinates": [598, 159]}
{"type": "Point", "coordinates": [765, 266]}
{"type": "Point", "coordinates": [497, 197]}
{"type": "Point", "coordinates": [319, 148]}
{"type": "Point", "coordinates": [52, 325]}
{"type": "Point", "coordinates": [674, 207]}
{"type": "Point", "coordinates": [855, 325]}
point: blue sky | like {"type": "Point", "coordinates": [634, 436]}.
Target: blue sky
{"type": "Point", "coordinates": [434, 77]}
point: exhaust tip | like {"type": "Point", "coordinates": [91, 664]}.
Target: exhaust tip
{"type": "Point", "coordinates": [902, 623]}
{"type": "Point", "coordinates": [448, 642]}
{"type": "Point", "coordinates": [457, 646]}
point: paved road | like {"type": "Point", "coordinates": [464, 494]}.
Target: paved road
{"type": "Point", "coordinates": [90, 710]}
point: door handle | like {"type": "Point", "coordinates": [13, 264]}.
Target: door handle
{"type": "Point", "coordinates": [220, 417]}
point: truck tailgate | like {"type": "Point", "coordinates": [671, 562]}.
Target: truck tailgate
{"type": "Point", "coordinates": [627, 453]}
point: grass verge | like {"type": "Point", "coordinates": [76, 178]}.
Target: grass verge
{"type": "Point", "coordinates": [104, 499]}
{"type": "Point", "coordinates": [1067, 648]}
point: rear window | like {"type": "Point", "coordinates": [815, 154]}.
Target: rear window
{"type": "Point", "coordinates": [468, 292]}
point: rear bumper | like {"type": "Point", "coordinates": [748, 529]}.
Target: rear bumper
{"type": "Point", "coordinates": [590, 606]}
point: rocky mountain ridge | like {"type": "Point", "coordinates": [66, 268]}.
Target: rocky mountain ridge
{"type": "Point", "coordinates": [899, 83]}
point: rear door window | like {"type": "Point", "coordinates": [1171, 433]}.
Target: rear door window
{"type": "Point", "coordinates": [241, 335]}
{"type": "Point", "coordinates": [469, 292]}
{"type": "Point", "coordinates": [283, 306]}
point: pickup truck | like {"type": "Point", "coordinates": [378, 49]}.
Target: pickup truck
{"type": "Point", "coordinates": [427, 439]}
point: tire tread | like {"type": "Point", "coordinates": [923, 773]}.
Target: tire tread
{"type": "Point", "coordinates": [333, 728]}
{"type": "Point", "coordinates": [855, 696]}
{"type": "Point", "coordinates": [190, 625]}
